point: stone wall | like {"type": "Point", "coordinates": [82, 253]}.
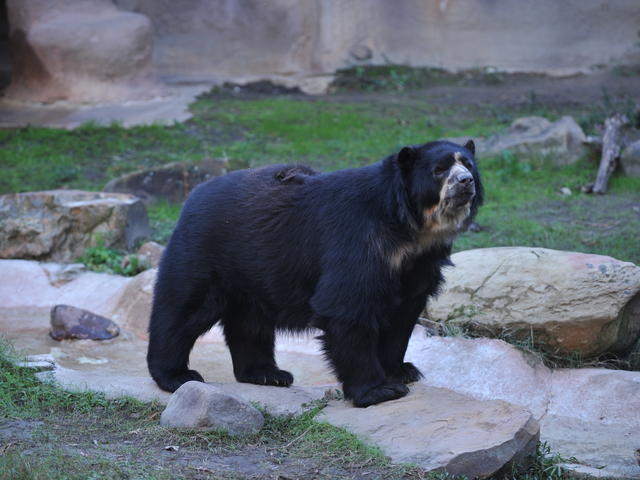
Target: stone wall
{"type": "Point", "coordinates": [244, 39]}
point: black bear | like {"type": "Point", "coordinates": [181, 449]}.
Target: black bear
{"type": "Point", "coordinates": [355, 253]}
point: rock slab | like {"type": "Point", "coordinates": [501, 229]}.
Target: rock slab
{"type": "Point", "coordinates": [69, 322]}
{"type": "Point", "coordinates": [59, 225]}
{"type": "Point", "coordinates": [571, 302]}
{"type": "Point", "coordinates": [438, 429]}
{"type": "Point", "coordinates": [202, 406]}
{"type": "Point", "coordinates": [588, 413]}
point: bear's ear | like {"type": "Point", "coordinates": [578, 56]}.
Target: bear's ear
{"type": "Point", "coordinates": [406, 158]}
{"type": "Point", "coordinates": [470, 146]}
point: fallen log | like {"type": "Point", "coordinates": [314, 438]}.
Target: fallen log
{"type": "Point", "coordinates": [610, 151]}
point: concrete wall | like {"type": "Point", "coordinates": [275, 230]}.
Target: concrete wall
{"type": "Point", "coordinates": [291, 38]}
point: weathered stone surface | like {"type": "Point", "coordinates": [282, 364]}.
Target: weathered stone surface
{"type": "Point", "coordinates": [69, 322]}
{"type": "Point", "coordinates": [28, 285]}
{"type": "Point", "coordinates": [171, 182]}
{"type": "Point", "coordinates": [437, 429]}
{"type": "Point", "coordinates": [151, 252]}
{"type": "Point", "coordinates": [630, 159]}
{"type": "Point", "coordinates": [484, 368]}
{"type": "Point", "coordinates": [133, 309]}
{"type": "Point", "coordinates": [593, 415]}
{"type": "Point", "coordinates": [198, 405]}
{"type": "Point", "coordinates": [166, 110]}
{"type": "Point", "coordinates": [286, 41]}
{"type": "Point", "coordinates": [571, 302]}
{"type": "Point", "coordinates": [61, 273]}
{"type": "Point", "coordinates": [79, 51]}
{"type": "Point", "coordinates": [581, 411]}
{"type": "Point", "coordinates": [561, 140]}
{"type": "Point", "coordinates": [59, 225]}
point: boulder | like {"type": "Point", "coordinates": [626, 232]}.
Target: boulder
{"type": "Point", "coordinates": [561, 140]}
{"type": "Point", "coordinates": [151, 252]}
{"type": "Point", "coordinates": [571, 303]}
{"type": "Point", "coordinates": [438, 429]}
{"type": "Point", "coordinates": [59, 225]}
{"type": "Point", "coordinates": [171, 182]}
{"type": "Point", "coordinates": [81, 51]}
{"type": "Point", "coordinates": [630, 159]}
{"type": "Point", "coordinates": [69, 322]}
{"type": "Point", "coordinates": [197, 405]}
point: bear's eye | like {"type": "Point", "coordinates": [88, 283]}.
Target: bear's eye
{"type": "Point", "coordinates": [440, 169]}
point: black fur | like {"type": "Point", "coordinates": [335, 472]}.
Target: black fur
{"type": "Point", "coordinates": [287, 248]}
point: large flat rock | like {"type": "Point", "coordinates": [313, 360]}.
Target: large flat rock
{"type": "Point", "coordinates": [592, 414]}
{"type": "Point", "coordinates": [437, 428]}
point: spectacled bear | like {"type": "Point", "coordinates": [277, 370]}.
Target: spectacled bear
{"type": "Point", "coordinates": [355, 253]}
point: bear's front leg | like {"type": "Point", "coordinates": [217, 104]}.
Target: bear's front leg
{"type": "Point", "coordinates": [353, 353]}
{"type": "Point", "coordinates": [393, 341]}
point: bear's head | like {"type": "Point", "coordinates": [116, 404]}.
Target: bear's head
{"type": "Point", "coordinates": [443, 186]}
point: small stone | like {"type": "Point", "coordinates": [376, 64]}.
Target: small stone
{"type": "Point", "coordinates": [565, 191]}
{"type": "Point", "coordinates": [197, 405]}
{"type": "Point", "coordinates": [69, 322]}
{"type": "Point", "coordinates": [361, 53]}
{"type": "Point", "coordinates": [152, 252]}
{"type": "Point", "coordinates": [475, 227]}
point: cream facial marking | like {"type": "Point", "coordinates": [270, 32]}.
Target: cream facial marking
{"type": "Point", "coordinates": [440, 226]}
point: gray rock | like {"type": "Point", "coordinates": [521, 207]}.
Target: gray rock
{"type": "Point", "coordinates": [587, 413]}
{"type": "Point", "coordinates": [59, 225]}
{"type": "Point", "coordinates": [562, 140]}
{"type": "Point", "coordinates": [171, 182]}
{"type": "Point", "coordinates": [630, 159]}
{"type": "Point", "coordinates": [69, 322]}
{"type": "Point", "coordinates": [80, 51]}
{"type": "Point", "coordinates": [570, 302]}
{"type": "Point", "coordinates": [201, 406]}
{"type": "Point", "coordinates": [438, 429]}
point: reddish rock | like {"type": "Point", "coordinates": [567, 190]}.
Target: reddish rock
{"type": "Point", "coordinates": [69, 322]}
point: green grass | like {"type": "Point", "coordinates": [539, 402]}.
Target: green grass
{"type": "Point", "coordinates": [523, 206]}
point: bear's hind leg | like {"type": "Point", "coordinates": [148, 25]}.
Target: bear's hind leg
{"type": "Point", "coordinates": [251, 341]}
{"type": "Point", "coordinates": [175, 325]}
